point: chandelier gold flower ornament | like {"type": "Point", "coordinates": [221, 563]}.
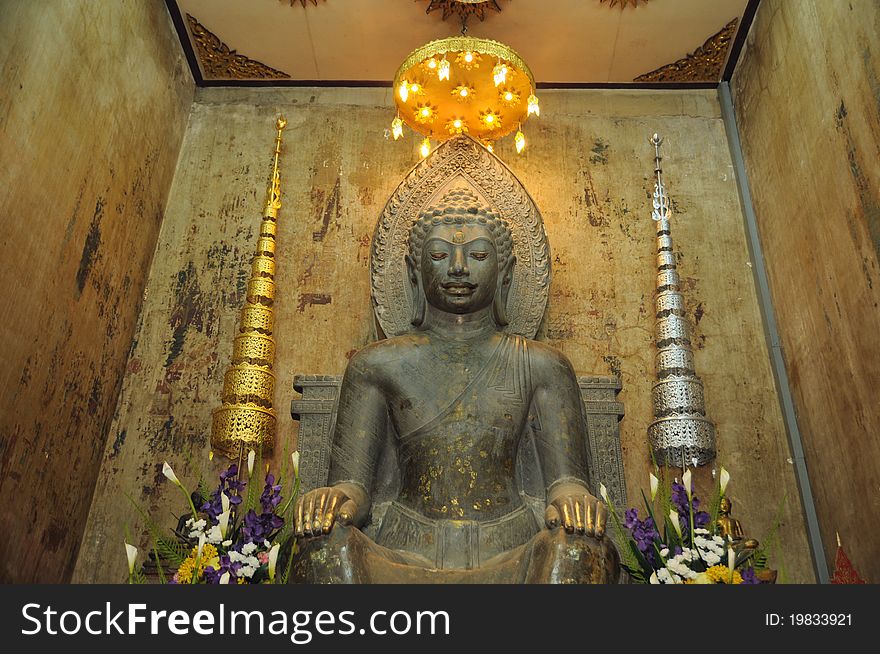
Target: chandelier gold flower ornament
{"type": "Point", "coordinates": [464, 84]}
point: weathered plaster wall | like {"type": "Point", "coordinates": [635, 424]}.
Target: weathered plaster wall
{"type": "Point", "coordinates": [588, 166]}
{"type": "Point", "coordinates": [93, 104]}
{"type": "Point", "coordinates": [807, 98]}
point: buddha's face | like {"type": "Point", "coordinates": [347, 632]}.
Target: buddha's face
{"type": "Point", "coordinates": [459, 268]}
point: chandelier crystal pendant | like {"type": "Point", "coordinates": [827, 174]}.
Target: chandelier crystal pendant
{"type": "Point", "coordinates": [464, 84]}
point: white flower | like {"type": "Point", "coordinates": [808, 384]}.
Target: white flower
{"type": "Point", "coordinates": [266, 544]}
{"type": "Point", "coordinates": [731, 559]}
{"type": "Point", "coordinates": [603, 492]}
{"type": "Point", "coordinates": [654, 579]}
{"type": "Point", "coordinates": [198, 525]}
{"type": "Point", "coordinates": [202, 540]}
{"type": "Point", "coordinates": [214, 535]}
{"type": "Point", "coordinates": [673, 518]}
{"type": "Point", "coordinates": [131, 552]}
{"type": "Point", "coordinates": [686, 480]}
{"type": "Point", "coordinates": [701, 531]}
{"type": "Point", "coordinates": [251, 456]}
{"type": "Point", "coordinates": [294, 459]}
{"type": "Point", "coordinates": [666, 577]}
{"type": "Point", "coordinates": [248, 548]}
{"type": "Point", "coordinates": [225, 578]}
{"type": "Point", "coordinates": [247, 571]}
{"type": "Point", "coordinates": [226, 543]}
{"type": "Point", "coordinates": [664, 552]}
{"type": "Point", "coordinates": [235, 556]}
{"type": "Point", "coordinates": [224, 502]}
{"type": "Point", "coordinates": [654, 484]}
{"type": "Point", "coordinates": [725, 477]}
{"type": "Point", "coordinates": [273, 560]}
{"type": "Point", "coordinates": [711, 559]}
{"type": "Point", "coordinates": [168, 472]}
{"type": "Point", "coordinates": [223, 520]}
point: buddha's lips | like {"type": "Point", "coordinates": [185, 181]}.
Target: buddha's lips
{"type": "Point", "coordinates": [458, 287]}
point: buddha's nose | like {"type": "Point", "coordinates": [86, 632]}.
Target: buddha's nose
{"type": "Point", "coordinates": [458, 264]}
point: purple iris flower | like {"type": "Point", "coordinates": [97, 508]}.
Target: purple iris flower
{"type": "Point", "coordinates": [644, 533]}
{"type": "Point", "coordinates": [271, 496]}
{"type": "Point", "coordinates": [229, 479]}
{"type": "Point", "coordinates": [212, 576]}
{"type": "Point", "coordinates": [229, 486]}
{"type": "Point", "coordinates": [258, 528]}
{"type": "Point", "coordinates": [749, 576]}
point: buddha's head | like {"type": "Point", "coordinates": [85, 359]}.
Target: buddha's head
{"type": "Point", "coordinates": [460, 258]}
{"type": "Point", "coordinates": [725, 506]}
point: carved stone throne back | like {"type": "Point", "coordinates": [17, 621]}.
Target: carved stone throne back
{"type": "Point", "coordinates": [461, 162]}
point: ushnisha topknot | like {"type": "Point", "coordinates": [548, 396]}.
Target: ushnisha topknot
{"type": "Point", "coordinates": [461, 206]}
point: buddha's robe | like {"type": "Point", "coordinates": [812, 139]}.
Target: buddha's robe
{"type": "Point", "coordinates": [459, 515]}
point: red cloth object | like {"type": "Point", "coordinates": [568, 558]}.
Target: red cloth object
{"type": "Point", "coordinates": [844, 572]}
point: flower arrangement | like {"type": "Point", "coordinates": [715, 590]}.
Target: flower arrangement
{"type": "Point", "coordinates": [231, 535]}
{"type": "Point", "coordinates": [693, 548]}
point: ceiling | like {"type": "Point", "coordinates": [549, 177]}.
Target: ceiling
{"type": "Point", "coordinates": [564, 42]}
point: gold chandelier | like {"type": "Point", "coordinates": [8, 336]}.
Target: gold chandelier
{"type": "Point", "coordinates": [464, 84]}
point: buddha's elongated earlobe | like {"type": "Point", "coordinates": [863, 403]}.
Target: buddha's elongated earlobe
{"type": "Point", "coordinates": [418, 294]}
{"type": "Point", "coordinates": [499, 305]}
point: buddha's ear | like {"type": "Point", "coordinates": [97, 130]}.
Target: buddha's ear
{"type": "Point", "coordinates": [499, 305]}
{"type": "Point", "coordinates": [507, 273]}
{"type": "Point", "coordinates": [418, 295]}
{"type": "Point", "coordinates": [412, 271]}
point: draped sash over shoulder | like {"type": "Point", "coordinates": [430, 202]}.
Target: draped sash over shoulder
{"type": "Point", "coordinates": [459, 465]}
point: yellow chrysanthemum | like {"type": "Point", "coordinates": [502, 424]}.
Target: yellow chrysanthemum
{"type": "Point", "coordinates": [720, 574]}
{"type": "Point", "coordinates": [186, 569]}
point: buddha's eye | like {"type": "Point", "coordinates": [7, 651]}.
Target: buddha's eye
{"type": "Point", "coordinates": [479, 255]}
{"type": "Point", "coordinates": [438, 256]}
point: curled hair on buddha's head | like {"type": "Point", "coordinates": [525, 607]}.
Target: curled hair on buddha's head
{"type": "Point", "coordinates": [461, 206]}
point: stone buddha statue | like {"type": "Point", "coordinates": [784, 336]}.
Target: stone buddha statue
{"type": "Point", "coordinates": [456, 394]}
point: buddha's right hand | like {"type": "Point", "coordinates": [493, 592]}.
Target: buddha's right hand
{"type": "Point", "coordinates": [318, 510]}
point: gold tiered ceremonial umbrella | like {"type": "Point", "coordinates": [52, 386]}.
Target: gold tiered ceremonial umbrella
{"type": "Point", "coordinates": [247, 419]}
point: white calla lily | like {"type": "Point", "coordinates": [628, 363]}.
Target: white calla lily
{"type": "Point", "coordinates": [202, 540]}
{"type": "Point", "coordinates": [223, 523]}
{"type": "Point", "coordinates": [273, 560]}
{"type": "Point", "coordinates": [224, 502]}
{"type": "Point", "coordinates": [224, 579]}
{"type": "Point", "coordinates": [673, 518]}
{"type": "Point", "coordinates": [131, 553]}
{"type": "Point", "coordinates": [724, 479]}
{"type": "Point", "coordinates": [655, 483]}
{"type": "Point", "coordinates": [250, 461]}
{"type": "Point", "coordinates": [603, 493]}
{"type": "Point", "coordinates": [294, 459]}
{"type": "Point", "coordinates": [686, 480]}
{"type": "Point", "coordinates": [169, 473]}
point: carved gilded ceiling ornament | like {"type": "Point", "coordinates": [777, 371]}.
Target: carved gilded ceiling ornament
{"type": "Point", "coordinates": [302, 2]}
{"type": "Point", "coordinates": [218, 61]}
{"type": "Point", "coordinates": [464, 9]}
{"type": "Point", "coordinates": [705, 64]}
{"type": "Point", "coordinates": [623, 3]}
{"type": "Point", "coordinates": [460, 162]}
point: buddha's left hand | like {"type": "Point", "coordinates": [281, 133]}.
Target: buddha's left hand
{"type": "Point", "coordinates": [577, 510]}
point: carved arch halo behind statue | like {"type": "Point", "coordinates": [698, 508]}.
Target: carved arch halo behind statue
{"type": "Point", "coordinates": [460, 162]}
